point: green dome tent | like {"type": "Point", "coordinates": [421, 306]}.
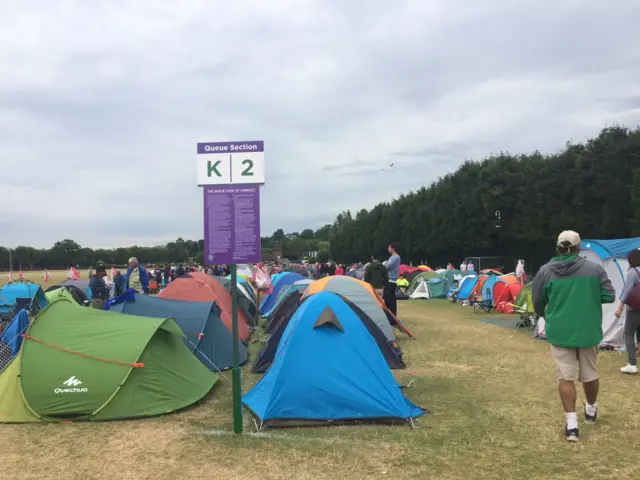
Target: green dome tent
{"type": "Point", "coordinates": [85, 364]}
{"type": "Point", "coordinates": [417, 280]}
{"type": "Point", "coordinates": [524, 300]}
{"type": "Point", "coordinates": [57, 294]}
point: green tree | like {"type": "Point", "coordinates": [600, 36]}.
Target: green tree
{"type": "Point", "coordinates": [307, 234]}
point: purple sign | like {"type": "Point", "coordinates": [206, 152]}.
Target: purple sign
{"type": "Point", "coordinates": [231, 224]}
{"type": "Point", "coordinates": [230, 147]}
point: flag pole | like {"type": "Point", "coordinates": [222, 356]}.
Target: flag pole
{"type": "Point", "coordinates": [235, 374]}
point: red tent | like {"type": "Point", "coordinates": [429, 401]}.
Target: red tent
{"type": "Point", "coordinates": [505, 292]}
{"type": "Point", "coordinates": [200, 287]}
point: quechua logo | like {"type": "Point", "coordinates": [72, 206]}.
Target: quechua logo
{"type": "Point", "coordinates": [71, 385]}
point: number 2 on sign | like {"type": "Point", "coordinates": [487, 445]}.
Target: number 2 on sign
{"type": "Point", "coordinates": [247, 172]}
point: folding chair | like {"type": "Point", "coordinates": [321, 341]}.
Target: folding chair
{"type": "Point", "coordinates": [484, 302]}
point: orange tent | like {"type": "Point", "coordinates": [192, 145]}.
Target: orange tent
{"type": "Point", "coordinates": [200, 287]}
{"type": "Point", "coordinates": [477, 290]}
{"type": "Point", "coordinates": [360, 293]}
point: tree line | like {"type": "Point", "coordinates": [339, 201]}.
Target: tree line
{"type": "Point", "coordinates": [68, 252]}
{"type": "Point", "coordinates": [505, 205]}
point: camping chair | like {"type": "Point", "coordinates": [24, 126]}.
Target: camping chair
{"type": "Point", "coordinates": [483, 303]}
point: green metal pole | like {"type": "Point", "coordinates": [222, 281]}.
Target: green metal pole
{"type": "Point", "coordinates": [235, 374]}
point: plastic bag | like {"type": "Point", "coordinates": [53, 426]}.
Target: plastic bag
{"type": "Point", "coordinates": [261, 279]}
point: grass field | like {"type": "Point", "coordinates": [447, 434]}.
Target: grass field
{"type": "Point", "coordinates": [493, 395]}
{"type": "Point", "coordinates": [56, 276]}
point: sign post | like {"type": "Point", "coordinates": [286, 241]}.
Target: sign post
{"type": "Point", "coordinates": [231, 173]}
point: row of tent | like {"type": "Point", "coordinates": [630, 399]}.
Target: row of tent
{"type": "Point", "coordinates": [496, 289]}
{"type": "Point", "coordinates": [328, 357]}
{"type": "Point", "coordinates": [72, 362]}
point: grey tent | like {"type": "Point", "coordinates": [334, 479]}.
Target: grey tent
{"type": "Point", "coordinates": [205, 334]}
{"type": "Point", "coordinates": [82, 285]}
{"type": "Point", "coordinates": [245, 302]}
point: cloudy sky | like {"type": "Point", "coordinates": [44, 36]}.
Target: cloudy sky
{"type": "Point", "coordinates": [102, 103]}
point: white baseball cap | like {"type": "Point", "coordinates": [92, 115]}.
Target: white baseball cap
{"type": "Point", "coordinates": [569, 237]}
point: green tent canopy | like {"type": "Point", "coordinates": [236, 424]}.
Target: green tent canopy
{"type": "Point", "coordinates": [524, 300]}
{"type": "Point", "coordinates": [57, 294]}
{"type": "Point", "coordinates": [85, 364]}
{"type": "Point", "coordinates": [451, 275]}
{"type": "Point", "coordinates": [426, 276]}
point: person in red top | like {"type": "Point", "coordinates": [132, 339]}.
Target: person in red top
{"type": "Point", "coordinates": [339, 270]}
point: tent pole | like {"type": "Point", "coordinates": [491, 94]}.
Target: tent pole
{"type": "Point", "coordinates": [236, 379]}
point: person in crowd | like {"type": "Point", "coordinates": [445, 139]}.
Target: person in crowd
{"type": "Point", "coordinates": [453, 290]}
{"type": "Point", "coordinates": [118, 282]}
{"type": "Point", "coordinates": [137, 276]}
{"type": "Point", "coordinates": [569, 292]}
{"type": "Point", "coordinates": [632, 315]}
{"type": "Point", "coordinates": [463, 267]}
{"type": "Point", "coordinates": [157, 273]}
{"type": "Point", "coordinates": [90, 272]}
{"type": "Point", "coordinates": [376, 275]}
{"type": "Point", "coordinates": [471, 267]}
{"type": "Point", "coordinates": [180, 271]}
{"type": "Point", "coordinates": [520, 273]}
{"type": "Point", "coordinates": [99, 291]}
{"type": "Point", "coordinates": [393, 267]}
{"type": "Point", "coordinates": [339, 270]}
{"type": "Point", "coordinates": [450, 266]}
{"type": "Point", "coordinates": [167, 274]}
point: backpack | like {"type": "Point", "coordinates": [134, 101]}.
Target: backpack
{"type": "Point", "coordinates": [633, 297]}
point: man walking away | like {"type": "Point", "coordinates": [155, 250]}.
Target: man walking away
{"type": "Point", "coordinates": [569, 292]}
{"type": "Point", "coordinates": [393, 266]}
{"type": "Point", "coordinates": [376, 275]}
{"type": "Point", "coordinates": [99, 291]}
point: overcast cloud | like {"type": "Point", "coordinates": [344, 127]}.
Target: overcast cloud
{"type": "Point", "coordinates": [102, 103]}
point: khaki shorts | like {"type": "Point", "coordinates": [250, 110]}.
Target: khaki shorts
{"type": "Point", "coordinates": [576, 363]}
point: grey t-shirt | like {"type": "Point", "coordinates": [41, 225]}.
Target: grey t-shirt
{"type": "Point", "coordinates": [633, 279]}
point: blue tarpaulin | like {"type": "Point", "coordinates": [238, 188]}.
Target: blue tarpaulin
{"type": "Point", "coordinates": [12, 335]}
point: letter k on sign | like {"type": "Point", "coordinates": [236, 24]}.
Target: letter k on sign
{"type": "Point", "coordinates": [212, 167]}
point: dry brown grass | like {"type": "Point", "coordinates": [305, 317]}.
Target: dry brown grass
{"type": "Point", "coordinates": [57, 276]}
{"type": "Point", "coordinates": [496, 415]}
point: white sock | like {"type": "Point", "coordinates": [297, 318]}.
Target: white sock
{"type": "Point", "coordinates": [572, 420]}
{"type": "Point", "coordinates": [591, 409]}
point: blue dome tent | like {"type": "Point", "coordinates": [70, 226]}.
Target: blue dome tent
{"type": "Point", "coordinates": [205, 334]}
{"type": "Point", "coordinates": [279, 285]}
{"type": "Point", "coordinates": [612, 255]}
{"type": "Point", "coordinates": [328, 369]}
